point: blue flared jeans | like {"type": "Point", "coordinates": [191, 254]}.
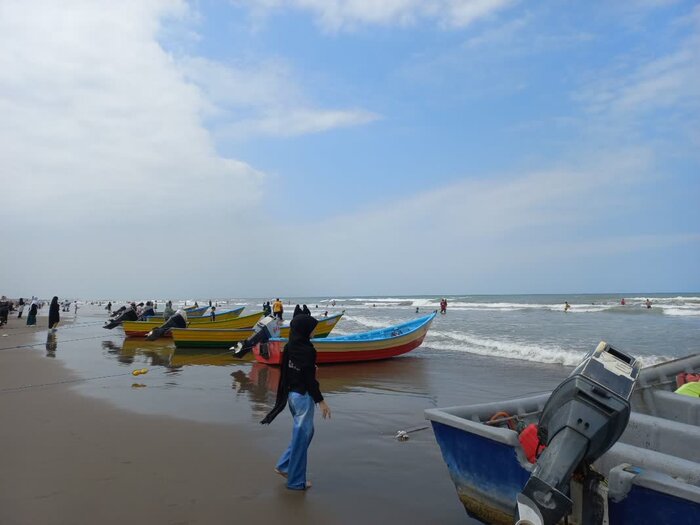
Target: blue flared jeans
{"type": "Point", "coordinates": [293, 460]}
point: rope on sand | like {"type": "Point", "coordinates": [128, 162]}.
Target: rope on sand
{"type": "Point", "coordinates": [66, 341]}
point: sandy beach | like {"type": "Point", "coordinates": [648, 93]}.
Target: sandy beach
{"type": "Point", "coordinates": [186, 447]}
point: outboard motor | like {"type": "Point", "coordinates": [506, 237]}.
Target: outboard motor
{"type": "Point", "coordinates": [129, 314]}
{"type": "Point", "coordinates": [265, 329]}
{"type": "Point", "coordinates": [147, 312]}
{"type": "Point", "coordinates": [583, 418]}
{"type": "Point", "coordinates": [178, 320]}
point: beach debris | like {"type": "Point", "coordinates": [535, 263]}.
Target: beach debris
{"type": "Point", "coordinates": [403, 435]}
{"type": "Point", "coordinates": [140, 371]}
{"type": "Point", "coordinates": [138, 385]}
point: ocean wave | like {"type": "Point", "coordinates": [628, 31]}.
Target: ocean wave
{"type": "Point", "coordinates": [368, 321]}
{"type": "Point", "coordinates": [545, 353]}
{"type": "Point", "coordinates": [676, 299]}
{"type": "Point", "coordinates": [679, 311]}
{"type": "Point", "coordinates": [463, 342]}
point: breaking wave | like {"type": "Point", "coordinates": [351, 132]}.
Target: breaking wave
{"type": "Point", "coordinates": [545, 353]}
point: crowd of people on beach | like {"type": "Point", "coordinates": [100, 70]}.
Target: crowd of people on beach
{"type": "Point", "coordinates": [8, 306]}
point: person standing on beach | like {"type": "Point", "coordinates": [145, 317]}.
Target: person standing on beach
{"type": "Point", "coordinates": [54, 315]}
{"type": "Point", "coordinates": [278, 309]}
{"type": "Point", "coordinates": [109, 307]}
{"type": "Point", "coordinates": [31, 316]}
{"type": "Point", "coordinates": [299, 386]}
{"type": "Point", "coordinates": [20, 307]}
{"type": "Point", "coordinates": [213, 313]}
{"type": "Point", "coordinates": [4, 310]}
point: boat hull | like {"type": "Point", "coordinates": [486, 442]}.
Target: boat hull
{"type": "Point", "coordinates": [224, 338]}
{"type": "Point", "coordinates": [653, 471]}
{"type": "Point", "coordinates": [357, 348]}
{"type": "Point", "coordinates": [334, 353]}
{"type": "Point", "coordinates": [487, 489]}
{"type": "Point", "coordinates": [225, 320]}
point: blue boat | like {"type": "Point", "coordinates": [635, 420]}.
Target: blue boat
{"type": "Point", "coordinates": [652, 472]}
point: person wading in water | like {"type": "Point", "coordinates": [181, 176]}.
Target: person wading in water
{"type": "Point", "coordinates": [299, 387]}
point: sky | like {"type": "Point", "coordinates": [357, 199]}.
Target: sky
{"type": "Point", "coordinates": [263, 148]}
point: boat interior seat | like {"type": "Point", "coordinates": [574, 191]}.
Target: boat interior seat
{"type": "Point", "coordinates": [668, 405]}
{"type": "Point", "coordinates": [622, 453]}
{"type": "Point", "coordinates": [661, 435]}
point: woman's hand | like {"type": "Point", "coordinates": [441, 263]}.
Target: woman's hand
{"type": "Point", "coordinates": [325, 409]}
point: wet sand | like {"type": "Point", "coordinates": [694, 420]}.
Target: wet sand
{"type": "Point", "coordinates": [88, 452]}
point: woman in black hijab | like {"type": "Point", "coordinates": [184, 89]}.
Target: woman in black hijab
{"type": "Point", "coordinates": [54, 316]}
{"type": "Point", "coordinates": [298, 385]}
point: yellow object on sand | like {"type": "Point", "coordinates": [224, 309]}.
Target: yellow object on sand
{"type": "Point", "coordinates": [140, 371]}
{"type": "Point", "coordinates": [690, 389]}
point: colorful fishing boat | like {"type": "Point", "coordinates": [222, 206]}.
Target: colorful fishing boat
{"type": "Point", "coordinates": [651, 475]}
{"type": "Point", "coordinates": [228, 319]}
{"type": "Point", "coordinates": [366, 346]}
{"type": "Point", "coordinates": [223, 338]}
{"type": "Point", "coordinates": [191, 311]}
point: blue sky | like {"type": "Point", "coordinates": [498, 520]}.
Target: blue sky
{"type": "Point", "coordinates": [330, 147]}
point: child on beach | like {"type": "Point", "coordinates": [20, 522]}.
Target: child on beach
{"type": "Point", "coordinates": [213, 313]}
{"type": "Point", "coordinates": [299, 386]}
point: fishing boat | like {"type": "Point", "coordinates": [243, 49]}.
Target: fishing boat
{"type": "Point", "coordinates": [191, 311]}
{"type": "Point", "coordinates": [224, 338]}
{"type": "Point", "coordinates": [651, 474]}
{"type": "Point", "coordinates": [366, 346]}
{"type": "Point", "coordinates": [228, 319]}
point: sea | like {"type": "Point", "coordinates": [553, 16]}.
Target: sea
{"type": "Point", "coordinates": [532, 328]}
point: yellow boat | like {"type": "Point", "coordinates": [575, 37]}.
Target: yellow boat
{"type": "Point", "coordinates": [230, 320]}
{"type": "Point", "coordinates": [217, 338]}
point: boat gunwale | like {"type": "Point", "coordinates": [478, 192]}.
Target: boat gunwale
{"type": "Point", "coordinates": [236, 330]}
{"type": "Point", "coordinates": [353, 338]}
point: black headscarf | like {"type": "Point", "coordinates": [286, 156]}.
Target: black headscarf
{"type": "Point", "coordinates": [305, 310]}
{"type": "Point", "coordinates": [297, 311]}
{"type": "Point", "coordinates": [301, 351]}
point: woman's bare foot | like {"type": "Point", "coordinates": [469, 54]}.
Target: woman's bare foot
{"type": "Point", "coordinates": [283, 474]}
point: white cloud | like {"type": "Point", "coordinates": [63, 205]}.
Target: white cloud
{"type": "Point", "coordinates": [664, 82]}
{"type": "Point", "coordinates": [97, 119]}
{"type": "Point", "coordinates": [300, 122]}
{"type": "Point", "coordinates": [639, 84]}
{"type": "Point", "coordinates": [338, 15]}
{"type": "Point", "coordinates": [263, 99]}
{"type": "Point", "coordinates": [471, 235]}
